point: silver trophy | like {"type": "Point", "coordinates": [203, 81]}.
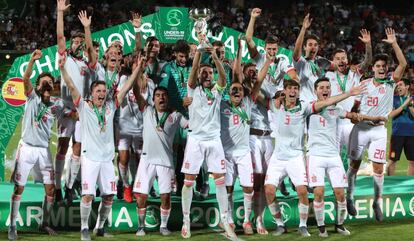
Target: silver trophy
{"type": "Point", "coordinates": [200, 17]}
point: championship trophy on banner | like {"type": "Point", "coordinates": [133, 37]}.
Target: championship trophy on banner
{"type": "Point", "coordinates": [200, 17]}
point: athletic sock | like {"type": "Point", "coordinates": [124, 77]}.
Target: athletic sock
{"type": "Point", "coordinates": [59, 165]}
{"type": "Point", "coordinates": [303, 214]}
{"type": "Point", "coordinates": [14, 208]}
{"type": "Point", "coordinates": [141, 217]}
{"type": "Point", "coordinates": [85, 211]}
{"type": "Point", "coordinates": [104, 209]}
{"type": "Point", "coordinates": [341, 212]}
{"type": "Point", "coordinates": [47, 206]}
{"type": "Point", "coordinates": [274, 209]}
{"type": "Point", "coordinates": [231, 206]}
{"type": "Point", "coordinates": [319, 208]}
{"type": "Point", "coordinates": [221, 195]}
{"type": "Point", "coordinates": [378, 186]}
{"type": "Point", "coordinates": [74, 170]}
{"type": "Point", "coordinates": [165, 215]}
{"type": "Point", "coordinates": [187, 198]}
{"type": "Point", "coordinates": [351, 174]}
{"type": "Point", "coordinates": [247, 202]}
{"type": "Point", "coordinates": [123, 173]}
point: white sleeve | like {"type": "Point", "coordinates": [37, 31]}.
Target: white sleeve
{"type": "Point", "coordinates": [285, 66]}
{"type": "Point", "coordinates": [259, 61]}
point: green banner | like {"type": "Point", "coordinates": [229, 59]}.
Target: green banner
{"type": "Point", "coordinates": [160, 24]}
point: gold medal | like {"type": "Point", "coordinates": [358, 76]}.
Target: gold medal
{"type": "Point", "coordinates": [249, 122]}
{"type": "Point", "coordinates": [35, 124]}
{"type": "Point", "coordinates": [103, 129]}
{"type": "Point", "coordinates": [159, 128]}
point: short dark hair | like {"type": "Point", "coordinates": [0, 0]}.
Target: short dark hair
{"type": "Point", "coordinates": [159, 88]}
{"type": "Point", "coordinates": [311, 36]}
{"type": "Point", "coordinates": [95, 43]}
{"type": "Point", "coordinates": [77, 35]}
{"type": "Point", "coordinates": [96, 83]}
{"type": "Point", "coordinates": [205, 65]}
{"type": "Point", "coordinates": [181, 46]}
{"type": "Point", "coordinates": [44, 74]}
{"type": "Point", "coordinates": [406, 81]}
{"type": "Point", "coordinates": [271, 39]}
{"type": "Point", "coordinates": [378, 57]}
{"type": "Point", "coordinates": [218, 43]}
{"type": "Point", "coordinates": [247, 65]}
{"type": "Point", "coordinates": [290, 82]}
{"type": "Point", "coordinates": [338, 51]}
{"type": "Point", "coordinates": [321, 79]}
{"type": "Point", "coordinates": [150, 39]}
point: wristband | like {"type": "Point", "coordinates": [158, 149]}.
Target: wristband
{"type": "Point", "coordinates": [137, 30]}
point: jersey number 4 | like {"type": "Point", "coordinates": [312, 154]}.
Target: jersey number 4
{"type": "Point", "coordinates": [322, 121]}
{"type": "Point", "coordinates": [372, 101]}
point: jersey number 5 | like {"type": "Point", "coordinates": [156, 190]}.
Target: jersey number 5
{"type": "Point", "coordinates": [287, 120]}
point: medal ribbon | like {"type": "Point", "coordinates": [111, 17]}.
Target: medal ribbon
{"type": "Point", "coordinates": [179, 78]}
{"type": "Point", "coordinates": [241, 112]}
{"type": "Point", "coordinates": [295, 109]}
{"type": "Point", "coordinates": [209, 94]}
{"type": "Point", "coordinates": [314, 67]}
{"type": "Point", "coordinates": [272, 70]}
{"type": "Point", "coordinates": [100, 116]}
{"type": "Point", "coordinates": [109, 82]}
{"type": "Point", "coordinates": [41, 113]}
{"type": "Point", "coordinates": [161, 122]}
{"type": "Point", "coordinates": [383, 81]}
{"type": "Point", "coordinates": [342, 83]}
{"type": "Point", "coordinates": [402, 100]}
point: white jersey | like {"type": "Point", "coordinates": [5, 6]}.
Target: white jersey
{"type": "Point", "coordinates": [322, 131]}
{"type": "Point", "coordinates": [204, 113]}
{"type": "Point", "coordinates": [377, 100]}
{"type": "Point", "coordinates": [308, 72]}
{"type": "Point", "coordinates": [97, 142]}
{"type": "Point", "coordinates": [350, 80]}
{"type": "Point", "coordinates": [234, 131]}
{"type": "Point", "coordinates": [157, 148]}
{"type": "Point", "coordinates": [290, 130]}
{"type": "Point", "coordinates": [260, 117]}
{"type": "Point", "coordinates": [38, 119]}
{"type": "Point", "coordinates": [80, 73]}
{"type": "Point", "coordinates": [275, 75]}
{"type": "Point", "coordinates": [129, 117]}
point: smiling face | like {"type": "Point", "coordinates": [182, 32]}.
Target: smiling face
{"type": "Point", "coordinates": [291, 94]}
{"type": "Point", "coordinates": [323, 90]}
{"type": "Point", "coordinates": [380, 69]}
{"type": "Point", "coordinates": [341, 60]}
{"type": "Point", "coordinates": [98, 95]}
{"type": "Point", "coordinates": [161, 100]}
{"type": "Point", "coordinates": [220, 52]}
{"type": "Point", "coordinates": [155, 50]}
{"type": "Point", "coordinates": [311, 48]}
{"type": "Point", "coordinates": [44, 88]}
{"type": "Point", "coordinates": [113, 58]}
{"type": "Point", "coordinates": [206, 76]}
{"type": "Point", "coordinates": [271, 49]}
{"type": "Point", "coordinates": [181, 58]}
{"type": "Point", "coordinates": [402, 89]}
{"type": "Point", "coordinates": [236, 93]}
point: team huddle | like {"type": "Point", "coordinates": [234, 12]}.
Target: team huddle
{"type": "Point", "coordinates": [259, 121]}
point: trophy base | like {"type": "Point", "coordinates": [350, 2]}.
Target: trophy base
{"type": "Point", "coordinates": [203, 46]}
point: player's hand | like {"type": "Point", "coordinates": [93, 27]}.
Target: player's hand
{"type": "Point", "coordinates": [37, 54]}
{"type": "Point", "coordinates": [141, 61]}
{"type": "Point", "coordinates": [270, 58]}
{"type": "Point", "coordinates": [239, 39]}
{"type": "Point", "coordinates": [136, 20]}
{"type": "Point", "coordinates": [356, 90]}
{"type": "Point", "coordinates": [356, 118]}
{"type": "Point", "coordinates": [365, 36]}
{"type": "Point", "coordinates": [391, 39]}
{"type": "Point", "coordinates": [307, 21]}
{"type": "Point", "coordinates": [255, 12]}
{"type": "Point", "coordinates": [83, 17]}
{"type": "Point", "coordinates": [61, 61]}
{"type": "Point", "coordinates": [61, 6]}
{"type": "Point", "coordinates": [187, 101]}
{"type": "Point", "coordinates": [201, 37]}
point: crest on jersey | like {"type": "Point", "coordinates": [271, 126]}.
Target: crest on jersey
{"type": "Point", "coordinates": [382, 90]}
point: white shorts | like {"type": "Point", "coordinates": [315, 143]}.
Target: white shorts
{"type": "Point", "coordinates": [37, 158]}
{"type": "Point", "coordinates": [261, 148]}
{"type": "Point", "coordinates": [373, 138]}
{"type": "Point", "coordinates": [69, 127]}
{"type": "Point", "coordinates": [293, 168]}
{"type": "Point", "coordinates": [146, 175]}
{"type": "Point", "coordinates": [344, 131]}
{"type": "Point", "coordinates": [240, 166]}
{"type": "Point", "coordinates": [196, 152]}
{"type": "Point", "coordinates": [101, 173]}
{"type": "Point", "coordinates": [332, 166]}
{"type": "Point", "coordinates": [125, 141]}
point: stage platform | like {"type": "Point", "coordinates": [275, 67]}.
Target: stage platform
{"type": "Point", "coordinates": [398, 203]}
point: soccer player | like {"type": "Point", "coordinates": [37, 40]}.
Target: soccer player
{"type": "Point", "coordinates": [309, 67]}
{"type": "Point", "coordinates": [377, 101]}
{"type": "Point", "coordinates": [402, 136]}
{"type": "Point", "coordinates": [40, 112]}
{"type": "Point", "coordinates": [97, 115]}
{"type": "Point", "coordinates": [324, 156]}
{"type": "Point", "coordinates": [80, 70]}
{"type": "Point", "coordinates": [204, 144]}
{"type": "Point", "coordinates": [288, 157]}
{"type": "Point", "coordinates": [160, 125]}
{"type": "Point", "coordinates": [235, 132]}
{"type": "Point", "coordinates": [343, 78]}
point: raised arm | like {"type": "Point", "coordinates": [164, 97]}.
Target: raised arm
{"type": "Point", "coordinates": [366, 39]}
{"type": "Point", "coordinates": [86, 22]}
{"type": "Point", "coordinates": [61, 41]}
{"type": "Point", "coordinates": [68, 80]}
{"type": "Point", "coordinates": [402, 63]}
{"type": "Point", "coordinates": [237, 68]}
{"type": "Point", "coordinates": [297, 52]}
{"type": "Point", "coordinates": [192, 78]}
{"type": "Point", "coordinates": [27, 84]}
{"type": "Point", "coordinates": [141, 81]}
{"type": "Point", "coordinates": [249, 32]}
{"type": "Point", "coordinates": [221, 81]}
{"type": "Point", "coordinates": [260, 77]}
{"type": "Point", "coordinates": [138, 72]}
{"type": "Point", "coordinates": [136, 22]}
{"type": "Point", "coordinates": [320, 104]}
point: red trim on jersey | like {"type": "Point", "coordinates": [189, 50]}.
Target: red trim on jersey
{"type": "Point", "coordinates": [116, 102]}
{"type": "Point", "coordinates": [76, 102]}
{"type": "Point", "coordinates": [313, 107]}
{"type": "Point", "coordinates": [268, 103]}
{"type": "Point", "coordinates": [93, 67]}
{"type": "Point", "coordinates": [296, 60]}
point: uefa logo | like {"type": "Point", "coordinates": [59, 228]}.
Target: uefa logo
{"type": "Point", "coordinates": [174, 17]}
